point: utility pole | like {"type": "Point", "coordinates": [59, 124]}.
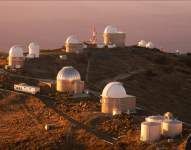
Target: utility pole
{"type": "Point", "coordinates": [87, 69]}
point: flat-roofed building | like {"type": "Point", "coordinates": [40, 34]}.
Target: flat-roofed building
{"type": "Point", "coordinates": [23, 87]}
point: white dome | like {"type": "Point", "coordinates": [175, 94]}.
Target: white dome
{"type": "Point", "coordinates": [114, 90]}
{"type": "Point", "coordinates": [34, 49]}
{"type": "Point", "coordinates": [34, 45]}
{"type": "Point", "coordinates": [142, 43]}
{"type": "Point", "coordinates": [110, 29]}
{"type": "Point", "coordinates": [178, 51]}
{"type": "Point", "coordinates": [150, 45]}
{"type": "Point", "coordinates": [16, 51]}
{"type": "Point", "coordinates": [71, 39]}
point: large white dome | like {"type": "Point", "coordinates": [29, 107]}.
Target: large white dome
{"type": "Point", "coordinates": [71, 39]}
{"type": "Point", "coordinates": [16, 51]}
{"type": "Point", "coordinates": [114, 90]}
{"type": "Point", "coordinates": [110, 29]}
{"type": "Point", "coordinates": [68, 74]}
{"type": "Point", "coordinates": [34, 46]}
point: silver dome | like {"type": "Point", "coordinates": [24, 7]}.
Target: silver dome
{"type": "Point", "coordinates": [68, 74]}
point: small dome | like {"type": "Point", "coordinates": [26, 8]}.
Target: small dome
{"type": "Point", "coordinates": [34, 45]}
{"type": "Point", "coordinates": [68, 74]}
{"type": "Point", "coordinates": [71, 39]}
{"type": "Point", "coordinates": [150, 45]}
{"type": "Point", "coordinates": [110, 29]}
{"type": "Point", "coordinates": [142, 43]}
{"type": "Point", "coordinates": [178, 51]}
{"type": "Point", "coordinates": [114, 90]}
{"type": "Point", "coordinates": [172, 122]}
{"type": "Point", "coordinates": [16, 51]}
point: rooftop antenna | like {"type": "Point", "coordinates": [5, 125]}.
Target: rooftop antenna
{"type": "Point", "coordinates": [94, 39]}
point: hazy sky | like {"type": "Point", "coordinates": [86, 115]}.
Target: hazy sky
{"type": "Point", "coordinates": [49, 23]}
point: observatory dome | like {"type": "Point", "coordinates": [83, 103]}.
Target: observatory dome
{"type": "Point", "coordinates": [16, 51]}
{"type": "Point", "coordinates": [68, 74]}
{"type": "Point", "coordinates": [110, 29]}
{"type": "Point", "coordinates": [34, 46]}
{"type": "Point", "coordinates": [71, 39]}
{"type": "Point", "coordinates": [150, 45]}
{"type": "Point", "coordinates": [142, 43]}
{"type": "Point", "coordinates": [114, 90]}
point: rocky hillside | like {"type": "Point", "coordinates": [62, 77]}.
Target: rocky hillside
{"type": "Point", "coordinates": [160, 81]}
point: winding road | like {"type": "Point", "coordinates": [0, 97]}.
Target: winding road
{"type": "Point", "coordinates": [50, 103]}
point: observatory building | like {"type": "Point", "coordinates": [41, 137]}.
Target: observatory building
{"type": "Point", "coordinates": [33, 51]}
{"type": "Point", "coordinates": [150, 45]}
{"type": "Point", "coordinates": [16, 58]}
{"type": "Point", "coordinates": [69, 80]}
{"type": "Point", "coordinates": [114, 98]}
{"type": "Point", "coordinates": [178, 52]}
{"type": "Point", "coordinates": [72, 45]}
{"type": "Point", "coordinates": [111, 36]}
{"type": "Point", "coordinates": [142, 43]}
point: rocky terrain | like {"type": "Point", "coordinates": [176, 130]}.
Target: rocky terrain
{"type": "Point", "coordinates": [22, 124]}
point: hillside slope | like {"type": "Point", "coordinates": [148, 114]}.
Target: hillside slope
{"type": "Point", "coordinates": [161, 83]}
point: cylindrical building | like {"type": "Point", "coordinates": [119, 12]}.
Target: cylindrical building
{"type": "Point", "coordinates": [172, 128]}
{"type": "Point", "coordinates": [72, 45]}
{"type": "Point", "coordinates": [16, 58]}
{"type": "Point", "coordinates": [34, 50]}
{"type": "Point", "coordinates": [114, 97]}
{"type": "Point", "coordinates": [159, 119]}
{"type": "Point", "coordinates": [111, 36]}
{"type": "Point", "coordinates": [150, 131]}
{"type": "Point", "coordinates": [69, 80]}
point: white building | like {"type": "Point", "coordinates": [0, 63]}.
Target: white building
{"type": "Point", "coordinates": [150, 131]}
{"type": "Point", "coordinates": [114, 99]}
{"type": "Point", "coordinates": [150, 45]}
{"type": "Point", "coordinates": [33, 50]}
{"type": "Point", "coordinates": [26, 88]}
{"type": "Point", "coordinates": [69, 80]}
{"type": "Point", "coordinates": [172, 128]}
{"type": "Point", "coordinates": [142, 43]}
{"type": "Point", "coordinates": [16, 58]}
{"type": "Point", "coordinates": [159, 119]}
{"type": "Point", "coordinates": [72, 45]}
{"type": "Point", "coordinates": [112, 36]}
{"type": "Point", "coordinates": [178, 52]}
